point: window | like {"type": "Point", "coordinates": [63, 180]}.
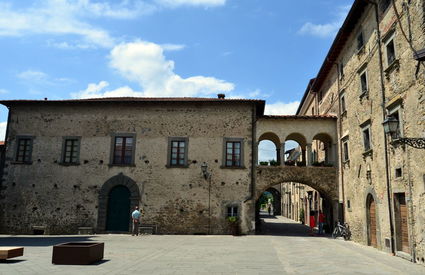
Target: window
{"type": "Point", "coordinates": [177, 148]}
{"type": "Point", "coordinates": [232, 211]}
{"type": "Point", "coordinates": [346, 155]}
{"type": "Point", "coordinates": [24, 149]}
{"type": "Point", "coordinates": [390, 52]}
{"type": "Point", "coordinates": [233, 152]}
{"type": "Point", "coordinates": [342, 102]}
{"type": "Point", "coordinates": [384, 4]}
{"type": "Point", "coordinates": [366, 138]}
{"type": "Point", "coordinates": [363, 82]}
{"type": "Point", "coordinates": [123, 148]}
{"type": "Point", "coordinates": [341, 70]}
{"type": "Point", "coordinates": [398, 173]}
{"type": "Point", "coordinates": [360, 41]}
{"type": "Point", "coordinates": [71, 150]}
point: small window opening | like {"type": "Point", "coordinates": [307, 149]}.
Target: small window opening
{"type": "Point", "coordinates": [398, 173]}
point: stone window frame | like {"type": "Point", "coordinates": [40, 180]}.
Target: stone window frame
{"type": "Point", "coordinates": [62, 160]}
{"type": "Point", "coordinates": [360, 46]}
{"type": "Point", "coordinates": [345, 151]}
{"type": "Point", "coordinates": [342, 102]}
{"type": "Point", "coordinates": [112, 149]}
{"type": "Point", "coordinates": [186, 152]}
{"type": "Point", "coordinates": [366, 126]}
{"type": "Point", "coordinates": [364, 91]}
{"type": "Point", "coordinates": [341, 70]}
{"type": "Point", "coordinates": [30, 149]}
{"type": "Point", "coordinates": [232, 206]}
{"type": "Point", "coordinates": [397, 108]}
{"type": "Point", "coordinates": [223, 160]}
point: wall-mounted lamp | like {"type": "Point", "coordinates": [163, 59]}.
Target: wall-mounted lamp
{"type": "Point", "coordinates": [204, 169]}
{"type": "Point", "coordinates": [391, 126]}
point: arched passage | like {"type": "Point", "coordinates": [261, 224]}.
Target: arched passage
{"type": "Point", "coordinates": [104, 197]}
{"type": "Point", "coordinates": [267, 152]}
{"type": "Point", "coordinates": [277, 209]}
{"type": "Point", "coordinates": [323, 150]}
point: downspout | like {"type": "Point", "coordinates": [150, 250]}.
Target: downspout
{"type": "Point", "coordinates": [253, 160]}
{"type": "Point", "coordinates": [341, 157]}
{"type": "Point", "coordinates": [387, 173]}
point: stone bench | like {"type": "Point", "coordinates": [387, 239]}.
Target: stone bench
{"type": "Point", "coordinates": [148, 229]}
{"type": "Point", "coordinates": [7, 252]}
{"type": "Point", "coordinates": [85, 230]}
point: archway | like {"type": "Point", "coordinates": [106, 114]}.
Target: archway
{"type": "Point", "coordinates": [118, 218]}
{"type": "Point", "coordinates": [104, 197]}
{"type": "Point", "coordinates": [295, 150]}
{"type": "Point", "coordinates": [323, 150]}
{"type": "Point", "coordinates": [371, 221]}
{"type": "Point", "coordinates": [269, 149]}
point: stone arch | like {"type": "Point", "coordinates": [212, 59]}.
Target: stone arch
{"type": "Point", "coordinates": [300, 138]}
{"type": "Point", "coordinates": [323, 137]}
{"type": "Point", "coordinates": [117, 180]}
{"type": "Point", "coordinates": [371, 197]}
{"type": "Point", "coordinates": [270, 136]}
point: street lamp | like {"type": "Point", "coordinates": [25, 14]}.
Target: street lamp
{"type": "Point", "coordinates": [204, 169]}
{"type": "Point", "coordinates": [391, 126]}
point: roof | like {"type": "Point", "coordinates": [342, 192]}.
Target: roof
{"type": "Point", "coordinates": [259, 103]}
{"type": "Point", "coordinates": [338, 44]}
{"type": "Point", "coordinates": [301, 117]}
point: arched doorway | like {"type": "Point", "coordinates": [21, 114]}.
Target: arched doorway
{"type": "Point", "coordinates": [118, 215]}
{"type": "Point", "coordinates": [371, 221]}
{"type": "Point", "coordinates": [105, 206]}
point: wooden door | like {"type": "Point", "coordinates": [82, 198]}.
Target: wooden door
{"type": "Point", "coordinates": [372, 223]}
{"type": "Point", "coordinates": [401, 223]}
{"type": "Point", "coordinates": [118, 215]}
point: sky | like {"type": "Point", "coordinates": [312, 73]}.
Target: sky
{"type": "Point", "coordinates": [254, 49]}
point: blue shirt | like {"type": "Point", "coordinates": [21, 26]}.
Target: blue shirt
{"type": "Point", "coordinates": [136, 214]}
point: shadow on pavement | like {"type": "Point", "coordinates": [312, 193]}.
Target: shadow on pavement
{"type": "Point", "coordinates": [11, 261]}
{"type": "Point", "coordinates": [280, 226]}
{"type": "Point", "coordinates": [41, 240]}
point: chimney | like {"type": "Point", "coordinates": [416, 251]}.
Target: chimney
{"type": "Point", "coordinates": [221, 96]}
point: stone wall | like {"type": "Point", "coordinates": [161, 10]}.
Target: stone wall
{"type": "Point", "coordinates": [63, 198]}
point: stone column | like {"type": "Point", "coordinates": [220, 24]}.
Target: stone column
{"type": "Point", "coordinates": [309, 161]}
{"type": "Point", "coordinates": [282, 154]}
{"type": "Point", "coordinates": [278, 159]}
{"type": "Point", "coordinates": [335, 154]}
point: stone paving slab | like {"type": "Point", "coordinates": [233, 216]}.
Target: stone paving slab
{"type": "Point", "coordinates": [177, 254]}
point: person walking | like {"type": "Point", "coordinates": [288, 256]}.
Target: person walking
{"type": "Point", "coordinates": [321, 222]}
{"type": "Point", "coordinates": [136, 219]}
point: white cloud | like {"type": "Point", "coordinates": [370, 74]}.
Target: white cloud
{"type": "Point", "coordinates": [204, 3]}
{"type": "Point", "coordinates": [172, 47]}
{"type": "Point", "coordinates": [144, 63]}
{"type": "Point", "coordinates": [4, 91]}
{"type": "Point", "coordinates": [327, 29]}
{"type": "Point", "coordinates": [3, 126]}
{"type": "Point", "coordinates": [32, 77]}
{"type": "Point", "coordinates": [282, 108]}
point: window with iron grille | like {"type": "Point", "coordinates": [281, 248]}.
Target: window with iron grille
{"type": "Point", "coordinates": [24, 149]}
{"type": "Point", "coordinates": [366, 138]}
{"type": "Point", "coordinates": [123, 150]}
{"type": "Point", "coordinates": [71, 150]}
{"type": "Point", "coordinates": [363, 82]}
{"type": "Point", "coordinates": [233, 153]}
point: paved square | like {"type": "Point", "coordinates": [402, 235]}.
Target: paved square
{"type": "Point", "coordinates": [176, 254]}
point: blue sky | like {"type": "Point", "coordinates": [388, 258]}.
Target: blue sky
{"type": "Point", "coordinates": [265, 49]}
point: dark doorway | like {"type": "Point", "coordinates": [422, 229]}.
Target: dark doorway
{"type": "Point", "coordinates": [401, 222]}
{"type": "Point", "coordinates": [371, 222]}
{"type": "Point", "coordinates": [118, 215]}
{"type": "Point", "coordinates": [277, 205]}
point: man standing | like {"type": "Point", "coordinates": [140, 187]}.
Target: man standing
{"type": "Point", "coordinates": [321, 222]}
{"type": "Point", "coordinates": [136, 218]}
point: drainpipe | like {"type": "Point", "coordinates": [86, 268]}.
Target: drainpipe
{"type": "Point", "coordinates": [387, 172]}
{"type": "Point", "coordinates": [341, 157]}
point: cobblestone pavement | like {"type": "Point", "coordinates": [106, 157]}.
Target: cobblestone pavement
{"type": "Point", "coordinates": [291, 251]}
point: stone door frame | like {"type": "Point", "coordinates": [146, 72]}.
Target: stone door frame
{"type": "Point", "coordinates": [117, 180]}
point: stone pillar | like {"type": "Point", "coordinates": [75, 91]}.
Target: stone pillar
{"type": "Point", "coordinates": [309, 156]}
{"type": "Point", "coordinates": [278, 159]}
{"type": "Point", "coordinates": [282, 154]}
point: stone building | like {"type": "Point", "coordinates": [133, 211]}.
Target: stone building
{"type": "Point", "coordinates": [86, 163]}
{"type": "Point", "coordinates": [374, 72]}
